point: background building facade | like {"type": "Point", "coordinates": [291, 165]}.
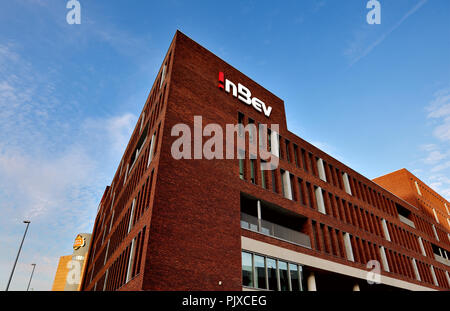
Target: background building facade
{"type": "Point", "coordinates": [312, 223]}
{"type": "Point", "coordinates": [71, 268]}
{"type": "Point", "coordinates": [434, 207]}
{"type": "Point", "coordinates": [61, 273]}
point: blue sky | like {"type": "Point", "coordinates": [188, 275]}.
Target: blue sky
{"type": "Point", "coordinates": [377, 97]}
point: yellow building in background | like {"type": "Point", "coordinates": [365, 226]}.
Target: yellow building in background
{"type": "Point", "coordinates": [61, 273]}
{"type": "Point", "coordinates": [71, 267]}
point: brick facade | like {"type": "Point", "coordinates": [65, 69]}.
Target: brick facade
{"type": "Point", "coordinates": [186, 216]}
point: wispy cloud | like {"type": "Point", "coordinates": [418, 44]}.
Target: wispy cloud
{"type": "Point", "coordinates": [436, 155]}
{"type": "Point", "coordinates": [354, 49]}
{"type": "Point", "coordinates": [439, 110]}
{"type": "Point", "coordinates": [53, 164]}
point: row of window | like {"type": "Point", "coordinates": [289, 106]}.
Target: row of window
{"type": "Point", "coordinates": [267, 273]}
{"type": "Point", "coordinates": [327, 203]}
{"type": "Point", "coordinates": [310, 163]}
{"type": "Point", "coordinates": [135, 211]}
{"type": "Point", "coordinates": [325, 171]}
{"type": "Point", "coordinates": [125, 267]}
{"type": "Point", "coordinates": [139, 168]}
{"type": "Point", "coordinates": [341, 244]}
{"type": "Point", "coordinates": [431, 196]}
{"type": "Point", "coordinates": [270, 220]}
{"type": "Point", "coordinates": [268, 180]}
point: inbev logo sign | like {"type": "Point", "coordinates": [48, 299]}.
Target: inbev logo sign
{"type": "Point", "coordinates": [244, 95]}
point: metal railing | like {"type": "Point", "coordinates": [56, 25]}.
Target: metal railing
{"type": "Point", "coordinates": [272, 229]}
{"type": "Point", "coordinates": [442, 259]}
{"type": "Point", "coordinates": [405, 220]}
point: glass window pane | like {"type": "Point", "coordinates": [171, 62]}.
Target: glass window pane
{"type": "Point", "coordinates": [263, 178]}
{"type": "Point", "coordinates": [272, 273]}
{"type": "Point", "coordinates": [241, 168]}
{"type": "Point", "coordinates": [252, 171]}
{"type": "Point", "coordinates": [260, 272]}
{"type": "Point", "coordinates": [247, 270]}
{"type": "Point", "coordinates": [295, 281]}
{"type": "Point", "coordinates": [283, 271]}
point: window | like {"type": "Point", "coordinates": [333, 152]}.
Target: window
{"type": "Point", "coordinates": [274, 181]}
{"type": "Point", "coordinates": [106, 254]}
{"type": "Point", "coordinates": [435, 232]}
{"type": "Point", "coordinates": [416, 270]}
{"type": "Point", "coordinates": [319, 200]}
{"type": "Point", "coordinates": [142, 121]}
{"type": "Point", "coordinates": [163, 75]}
{"type": "Point", "coordinates": [138, 148]}
{"type": "Point", "coordinates": [126, 175]}
{"type": "Point", "coordinates": [286, 184]}
{"type": "Point", "coordinates": [288, 157]}
{"type": "Point", "coordinates": [385, 229]}
{"type": "Point", "coordinates": [275, 144]}
{"type": "Point", "coordinates": [296, 155]}
{"type": "Point", "coordinates": [252, 171]}
{"type": "Point", "coordinates": [308, 190]}
{"type": "Point", "coordinates": [348, 247]}
{"type": "Point", "coordinates": [272, 274]}
{"type": "Point", "coordinates": [130, 261]}
{"type": "Point", "coordinates": [260, 272]}
{"type": "Point", "coordinates": [440, 255]}
{"type": "Point", "coordinates": [433, 275]}
{"type": "Point", "coordinates": [321, 169]}
{"type": "Point", "coordinates": [252, 130]}
{"type": "Point", "coordinates": [300, 191]}
{"type": "Point", "coordinates": [111, 223]}
{"type": "Point", "coordinates": [261, 136]}
{"type": "Point", "coordinates": [150, 153]}
{"type": "Point", "coordinates": [294, 273]}
{"type": "Point", "coordinates": [435, 215]}
{"type": "Point", "coordinates": [404, 215]}
{"type": "Point", "coordinates": [422, 248]}
{"type": "Point", "coordinates": [284, 278]}
{"type": "Point", "coordinates": [241, 163]}
{"type": "Point", "coordinates": [305, 165]}
{"type": "Point", "coordinates": [384, 259]}
{"type": "Point", "coordinates": [263, 174]}
{"type": "Point", "coordinates": [241, 123]}
{"type": "Point", "coordinates": [417, 188]}
{"type": "Point", "coordinates": [106, 280]}
{"type": "Point", "coordinates": [130, 224]}
{"type": "Point", "coordinates": [346, 183]}
{"type": "Point", "coordinates": [311, 162]}
{"type": "Point", "coordinates": [247, 274]}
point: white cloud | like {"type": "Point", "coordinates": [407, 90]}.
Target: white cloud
{"type": "Point", "coordinates": [443, 131]}
{"type": "Point", "coordinates": [116, 129]}
{"type": "Point", "coordinates": [441, 167]}
{"type": "Point", "coordinates": [439, 109]}
{"type": "Point", "coordinates": [436, 156]}
{"type": "Point", "coordinates": [433, 154]}
{"type": "Point", "coordinates": [53, 168]}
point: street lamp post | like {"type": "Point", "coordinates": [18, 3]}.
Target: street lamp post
{"type": "Point", "coordinates": [18, 253]}
{"type": "Point", "coordinates": [34, 266]}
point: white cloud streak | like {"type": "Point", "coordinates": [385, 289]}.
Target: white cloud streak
{"type": "Point", "coordinates": [353, 48]}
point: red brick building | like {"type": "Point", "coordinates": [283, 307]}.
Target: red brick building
{"type": "Point", "coordinates": [312, 223]}
{"type": "Point", "coordinates": [436, 208]}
